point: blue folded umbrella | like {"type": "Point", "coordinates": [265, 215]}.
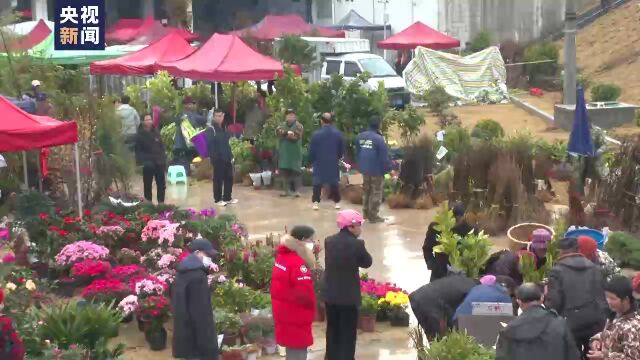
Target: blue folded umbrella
{"type": "Point", "coordinates": [580, 140]}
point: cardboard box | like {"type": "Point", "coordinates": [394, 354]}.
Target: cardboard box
{"type": "Point", "coordinates": [351, 179]}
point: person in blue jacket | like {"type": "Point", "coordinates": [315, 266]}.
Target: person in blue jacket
{"type": "Point", "coordinates": [325, 151]}
{"type": "Point", "coordinates": [373, 162]}
{"type": "Point", "coordinates": [492, 289]}
{"type": "Point", "coordinates": [222, 160]}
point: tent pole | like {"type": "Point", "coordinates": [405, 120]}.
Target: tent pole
{"type": "Point", "coordinates": [215, 83]}
{"type": "Point", "coordinates": [24, 168]}
{"type": "Point", "coordinates": [77, 156]}
{"type": "Point", "coordinates": [233, 96]}
{"type": "Point", "coordinates": [39, 174]}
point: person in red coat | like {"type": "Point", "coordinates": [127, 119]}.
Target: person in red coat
{"type": "Point", "coordinates": [11, 347]}
{"type": "Point", "coordinates": [293, 296]}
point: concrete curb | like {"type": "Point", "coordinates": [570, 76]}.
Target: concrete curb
{"type": "Point", "coordinates": [532, 110]}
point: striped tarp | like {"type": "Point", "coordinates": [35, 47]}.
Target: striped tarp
{"type": "Point", "coordinates": [462, 77]}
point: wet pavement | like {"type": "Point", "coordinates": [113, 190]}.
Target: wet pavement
{"type": "Point", "coordinates": [396, 248]}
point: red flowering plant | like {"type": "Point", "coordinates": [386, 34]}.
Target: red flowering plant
{"type": "Point", "coordinates": [377, 289]}
{"type": "Point", "coordinates": [89, 269]}
{"type": "Point", "coordinates": [154, 310]}
{"type": "Point", "coordinates": [636, 283]}
{"type": "Point", "coordinates": [125, 273]}
{"type": "Point", "coordinates": [106, 291]}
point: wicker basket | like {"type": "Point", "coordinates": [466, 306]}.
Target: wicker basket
{"type": "Point", "coordinates": [519, 234]}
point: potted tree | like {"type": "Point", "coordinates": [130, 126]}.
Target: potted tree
{"type": "Point", "coordinates": [368, 311]}
{"type": "Point", "coordinates": [229, 325]}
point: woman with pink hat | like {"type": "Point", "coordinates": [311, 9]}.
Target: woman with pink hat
{"type": "Point", "coordinates": [344, 255]}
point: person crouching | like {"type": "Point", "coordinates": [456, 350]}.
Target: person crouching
{"type": "Point", "coordinates": [293, 296]}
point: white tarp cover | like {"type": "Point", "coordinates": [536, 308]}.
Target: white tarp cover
{"type": "Point", "coordinates": [469, 78]}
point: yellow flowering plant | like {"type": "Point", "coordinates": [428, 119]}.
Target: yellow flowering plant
{"type": "Point", "coordinates": [397, 300]}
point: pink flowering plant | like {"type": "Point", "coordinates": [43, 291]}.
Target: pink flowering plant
{"type": "Point", "coordinates": [146, 286]}
{"type": "Point", "coordinates": [80, 250]}
{"type": "Point", "coordinates": [128, 305]}
{"type": "Point", "coordinates": [112, 236]}
{"type": "Point", "coordinates": [159, 258]}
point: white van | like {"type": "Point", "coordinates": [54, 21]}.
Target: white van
{"type": "Point", "coordinates": [353, 64]}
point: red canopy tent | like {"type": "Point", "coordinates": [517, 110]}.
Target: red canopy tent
{"type": "Point", "coordinates": [158, 31]}
{"type": "Point", "coordinates": [33, 38]}
{"type": "Point", "coordinates": [416, 35]}
{"type": "Point", "coordinates": [20, 131]}
{"type": "Point", "coordinates": [172, 47]}
{"type": "Point", "coordinates": [224, 57]}
{"type": "Point", "coordinates": [128, 30]}
{"type": "Point", "coordinates": [124, 29]}
{"type": "Point", "coordinates": [276, 26]}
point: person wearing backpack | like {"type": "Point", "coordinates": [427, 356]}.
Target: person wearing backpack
{"type": "Point", "coordinates": [576, 292]}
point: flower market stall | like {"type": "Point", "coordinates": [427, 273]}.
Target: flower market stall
{"type": "Point", "coordinates": [72, 280]}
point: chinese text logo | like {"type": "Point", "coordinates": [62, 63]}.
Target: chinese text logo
{"type": "Point", "coordinates": [79, 25]}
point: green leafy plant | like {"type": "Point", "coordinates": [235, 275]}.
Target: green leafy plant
{"type": "Point", "coordinates": [624, 248]}
{"type": "Point", "coordinates": [456, 140]}
{"type": "Point", "coordinates": [76, 323]}
{"type": "Point", "coordinates": [487, 129]}
{"type": "Point", "coordinates": [258, 272]}
{"type": "Point", "coordinates": [457, 345]}
{"type": "Point", "coordinates": [135, 94]}
{"type": "Point", "coordinates": [542, 51]}
{"type": "Point", "coordinates": [605, 92]}
{"type": "Point", "coordinates": [468, 254]}
{"type": "Point", "coordinates": [408, 121]}
{"type": "Point", "coordinates": [481, 41]}
{"type": "Point", "coordinates": [245, 97]}
{"type": "Point", "coordinates": [162, 93]}
{"type": "Point", "coordinates": [243, 154]}
{"type": "Point", "coordinates": [30, 204]}
{"type": "Point", "coordinates": [437, 98]}
{"type": "Point", "coordinates": [369, 305]}
{"type": "Point", "coordinates": [201, 94]}
{"type": "Point", "coordinates": [295, 50]}
{"type": "Point", "coordinates": [227, 322]}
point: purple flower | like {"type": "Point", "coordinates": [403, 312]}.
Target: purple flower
{"type": "Point", "coordinates": [208, 213]}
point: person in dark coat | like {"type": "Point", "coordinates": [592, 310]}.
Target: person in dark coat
{"type": "Point", "coordinates": [325, 151]}
{"type": "Point", "coordinates": [538, 333]}
{"type": "Point", "coordinates": [438, 262]}
{"type": "Point", "coordinates": [221, 158]}
{"type": "Point", "coordinates": [492, 289]}
{"type": "Point", "coordinates": [194, 329]}
{"type": "Point", "coordinates": [576, 292]}
{"type": "Point", "coordinates": [434, 304]}
{"type": "Point", "coordinates": [373, 162]}
{"type": "Point", "coordinates": [344, 255]}
{"type": "Point", "coordinates": [507, 262]}
{"type": "Point", "coordinates": [150, 153]}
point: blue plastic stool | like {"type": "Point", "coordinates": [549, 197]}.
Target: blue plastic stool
{"type": "Point", "coordinates": [177, 173]}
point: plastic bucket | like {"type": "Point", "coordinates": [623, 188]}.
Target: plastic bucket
{"type": "Point", "coordinates": [199, 142]}
{"type": "Point", "coordinates": [596, 235]}
{"type": "Point", "coordinates": [266, 178]}
{"type": "Point", "coordinates": [256, 179]}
